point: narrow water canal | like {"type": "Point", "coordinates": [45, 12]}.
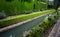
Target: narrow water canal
{"type": "Point", "coordinates": [17, 31]}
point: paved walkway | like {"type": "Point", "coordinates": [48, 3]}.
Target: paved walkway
{"type": "Point", "coordinates": [56, 30]}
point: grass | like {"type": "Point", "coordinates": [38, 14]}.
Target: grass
{"type": "Point", "coordinates": [16, 19]}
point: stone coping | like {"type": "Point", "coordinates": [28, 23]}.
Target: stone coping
{"type": "Point", "coordinates": [19, 24]}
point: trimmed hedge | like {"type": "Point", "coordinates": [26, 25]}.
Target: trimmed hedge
{"type": "Point", "coordinates": [15, 19]}
{"type": "Point", "coordinates": [42, 27]}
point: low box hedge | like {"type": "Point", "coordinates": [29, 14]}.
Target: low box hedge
{"type": "Point", "coordinates": [19, 18]}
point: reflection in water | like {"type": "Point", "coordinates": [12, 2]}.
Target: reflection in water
{"type": "Point", "coordinates": [17, 31]}
{"type": "Point", "coordinates": [10, 35]}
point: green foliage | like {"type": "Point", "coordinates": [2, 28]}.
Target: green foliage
{"type": "Point", "coordinates": [59, 13]}
{"type": "Point", "coordinates": [39, 5]}
{"type": "Point", "coordinates": [16, 7]}
{"type": "Point", "coordinates": [43, 0]}
{"type": "Point", "coordinates": [26, 0]}
{"type": "Point", "coordinates": [8, 0]}
{"type": "Point", "coordinates": [43, 26]}
{"type": "Point", "coordinates": [15, 19]}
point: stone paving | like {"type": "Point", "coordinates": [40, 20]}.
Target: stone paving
{"type": "Point", "coordinates": [56, 30]}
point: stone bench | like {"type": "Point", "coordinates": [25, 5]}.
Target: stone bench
{"type": "Point", "coordinates": [2, 15]}
{"type": "Point", "coordinates": [28, 12]}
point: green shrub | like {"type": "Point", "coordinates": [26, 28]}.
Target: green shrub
{"type": "Point", "coordinates": [16, 7]}
{"type": "Point", "coordinates": [43, 26]}
{"type": "Point", "coordinates": [59, 13]}
{"type": "Point", "coordinates": [8, 0]}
